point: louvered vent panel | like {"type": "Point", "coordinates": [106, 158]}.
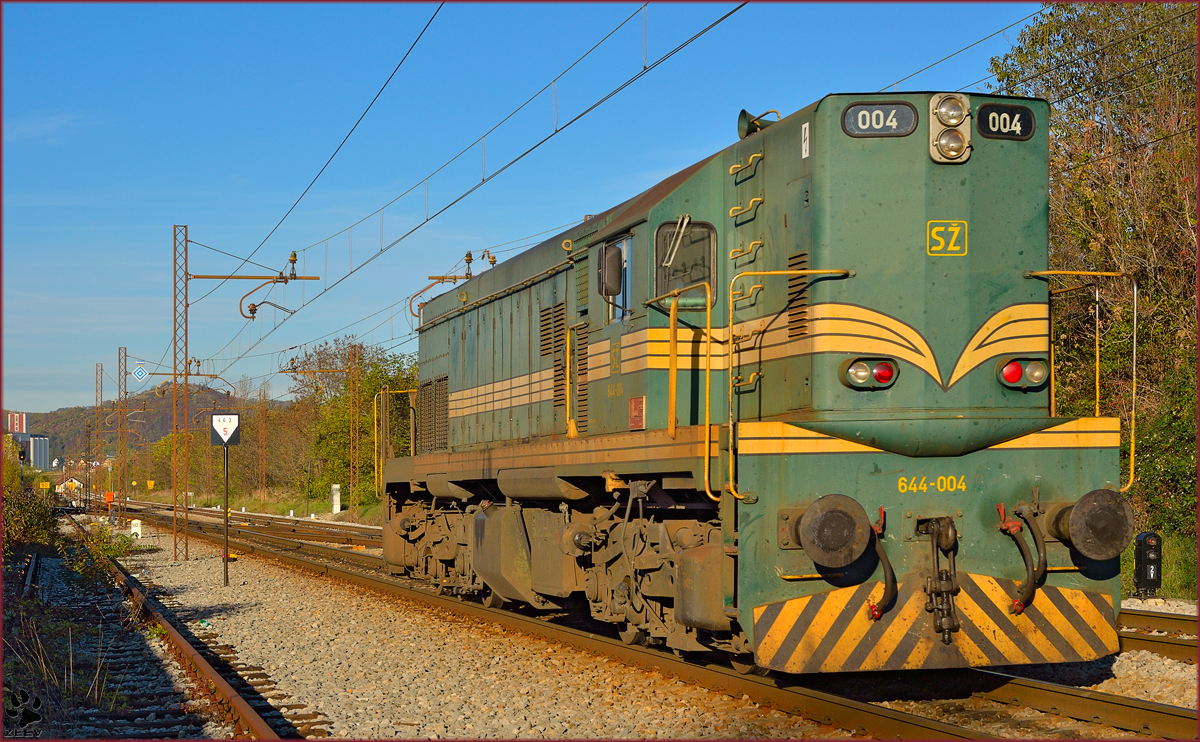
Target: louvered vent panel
{"type": "Point", "coordinates": [546, 329]}
{"type": "Point", "coordinates": [441, 412]}
{"type": "Point", "coordinates": [798, 297]}
{"type": "Point", "coordinates": [581, 286]}
{"type": "Point", "coordinates": [559, 339]}
{"type": "Point", "coordinates": [425, 417]}
{"type": "Point", "coordinates": [581, 365]}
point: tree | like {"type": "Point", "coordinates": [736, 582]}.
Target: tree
{"type": "Point", "coordinates": [322, 390]}
{"type": "Point", "coordinates": [1121, 81]}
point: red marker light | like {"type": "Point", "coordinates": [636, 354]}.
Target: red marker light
{"type": "Point", "coordinates": [884, 373]}
{"type": "Point", "coordinates": [1013, 372]}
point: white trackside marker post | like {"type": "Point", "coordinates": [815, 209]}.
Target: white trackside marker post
{"type": "Point", "coordinates": [225, 433]}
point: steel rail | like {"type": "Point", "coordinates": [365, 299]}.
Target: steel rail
{"type": "Point", "coordinates": [302, 527]}
{"type": "Point", "coordinates": [1155, 621]}
{"type": "Point", "coordinates": [1122, 712]}
{"type": "Point", "coordinates": [818, 706]}
{"type": "Point", "coordinates": [246, 720]}
{"type": "Point", "coordinates": [208, 530]}
{"type": "Point", "coordinates": [1170, 647]}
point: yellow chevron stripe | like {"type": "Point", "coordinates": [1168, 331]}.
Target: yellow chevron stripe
{"type": "Point", "coordinates": [829, 612]}
{"type": "Point", "coordinates": [917, 657]}
{"type": "Point", "coordinates": [997, 337]}
{"type": "Point", "coordinates": [1087, 432]}
{"type": "Point", "coordinates": [1064, 626]}
{"type": "Point", "coordinates": [853, 634]}
{"type": "Point", "coordinates": [967, 647]}
{"type": "Point", "coordinates": [977, 616]}
{"type": "Point", "coordinates": [776, 437]}
{"type": "Point", "coordinates": [1022, 623]}
{"type": "Point", "coordinates": [901, 624]}
{"type": "Point", "coordinates": [1093, 618]}
{"type": "Point", "coordinates": [769, 644]}
{"type": "Point", "coordinates": [846, 328]}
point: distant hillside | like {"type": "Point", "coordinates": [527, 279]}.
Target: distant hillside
{"type": "Point", "coordinates": [66, 426]}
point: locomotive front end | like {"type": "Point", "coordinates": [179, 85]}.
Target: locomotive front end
{"type": "Point", "coordinates": [908, 498]}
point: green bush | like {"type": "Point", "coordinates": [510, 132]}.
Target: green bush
{"type": "Point", "coordinates": [28, 519]}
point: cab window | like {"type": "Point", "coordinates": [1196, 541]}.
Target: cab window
{"type": "Point", "coordinates": [684, 254]}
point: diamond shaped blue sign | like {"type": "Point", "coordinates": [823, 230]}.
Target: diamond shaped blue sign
{"type": "Point", "coordinates": [140, 373]}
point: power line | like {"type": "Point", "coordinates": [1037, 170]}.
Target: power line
{"type": "Point", "coordinates": [491, 248]}
{"type": "Point", "coordinates": [487, 179]}
{"type": "Point", "coordinates": [335, 152]}
{"type": "Point", "coordinates": [1081, 56]}
{"type": "Point", "coordinates": [960, 51]}
{"type": "Point", "coordinates": [1172, 135]}
{"type": "Point", "coordinates": [483, 136]}
{"type": "Point", "coordinates": [244, 260]}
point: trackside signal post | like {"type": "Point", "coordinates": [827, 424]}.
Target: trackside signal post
{"type": "Point", "coordinates": [226, 433]}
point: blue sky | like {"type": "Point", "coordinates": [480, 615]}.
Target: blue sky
{"type": "Point", "coordinates": [122, 120]}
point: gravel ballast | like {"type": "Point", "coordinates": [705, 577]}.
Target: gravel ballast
{"type": "Point", "coordinates": [379, 666]}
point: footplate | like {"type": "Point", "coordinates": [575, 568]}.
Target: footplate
{"type": "Point", "coordinates": [832, 631]}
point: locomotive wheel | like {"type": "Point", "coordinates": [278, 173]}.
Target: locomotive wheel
{"type": "Point", "coordinates": [744, 664]}
{"type": "Point", "coordinates": [492, 600]}
{"type": "Point", "coordinates": [631, 634]}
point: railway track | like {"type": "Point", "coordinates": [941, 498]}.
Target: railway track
{"type": "Point", "coordinates": [1174, 634]}
{"type": "Point", "coordinates": [158, 711]}
{"type": "Point", "coordinates": [787, 694]}
{"type": "Point", "coordinates": [281, 525]}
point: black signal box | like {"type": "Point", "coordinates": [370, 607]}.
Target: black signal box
{"type": "Point", "coordinates": [1147, 560]}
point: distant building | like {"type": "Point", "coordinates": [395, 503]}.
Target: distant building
{"type": "Point", "coordinates": [17, 423]}
{"type": "Point", "coordinates": [37, 449]}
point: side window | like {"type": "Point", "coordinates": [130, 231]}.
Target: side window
{"type": "Point", "coordinates": [684, 254]}
{"type": "Point", "coordinates": [618, 306]}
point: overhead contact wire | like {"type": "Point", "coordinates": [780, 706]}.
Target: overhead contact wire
{"type": "Point", "coordinates": [503, 168]}
{"type": "Point", "coordinates": [335, 152]}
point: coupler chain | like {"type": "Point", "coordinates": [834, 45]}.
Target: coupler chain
{"type": "Point", "coordinates": [942, 585]}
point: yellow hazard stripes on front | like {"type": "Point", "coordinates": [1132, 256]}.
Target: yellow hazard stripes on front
{"type": "Point", "coordinates": [832, 631]}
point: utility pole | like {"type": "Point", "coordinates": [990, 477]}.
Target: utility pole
{"type": "Point", "coordinates": [354, 411]}
{"type": "Point", "coordinates": [179, 387]}
{"type": "Point", "coordinates": [262, 447]}
{"type": "Point", "coordinates": [99, 428]}
{"type": "Point", "coordinates": [122, 431]}
{"type": "Point", "coordinates": [179, 470]}
{"type": "Point", "coordinates": [87, 455]}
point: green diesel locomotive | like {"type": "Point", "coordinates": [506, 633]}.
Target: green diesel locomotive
{"type": "Point", "coordinates": [793, 404]}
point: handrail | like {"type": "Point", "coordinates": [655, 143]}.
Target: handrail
{"type": "Point", "coordinates": [735, 169]}
{"type": "Point", "coordinates": [572, 429]}
{"type": "Point", "coordinates": [673, 370]}
{"type": "Point", "coordinates": [412, 450]}
{"type": "Point", "coordinates": [1096, 312]}
{"type": "Point", "coordinates": [731, 484]}
{"type": "Point", "coordinates": [738, 211]}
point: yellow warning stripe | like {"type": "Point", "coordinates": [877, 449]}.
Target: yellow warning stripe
{"type": "Point", "coordinates": [776, 437]}
{"type": "Point", "coordinates": [764, 438]}
{"type": "Point", "coordinates": [831, 631]}
{"type": "Point", "coordinates": [853, 634]}
{"type": "Point", "coordinates": [769, 644]}
{"type": "Point", "coordinates": [1087, 432]}
{"type": "Point", "coordinates": [913, 607]}
{"type": "Point", "coordinates": [830, 610]}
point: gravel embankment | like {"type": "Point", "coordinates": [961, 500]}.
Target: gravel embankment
{"type": "Point", "coordinates": [385, 667]}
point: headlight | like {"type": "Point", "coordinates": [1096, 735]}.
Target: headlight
{"type": "Point", "coordinates": [1035, 372]}
{"type": "Point", "coordinates": [951, 144]}
{"type": "Point", "coordinates": [859, 373]}
{"type": "Point", "coordinates": [950, 111]}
